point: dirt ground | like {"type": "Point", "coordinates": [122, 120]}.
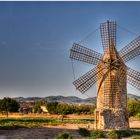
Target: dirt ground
{"type": "Point", "coordinates": [50, 132]}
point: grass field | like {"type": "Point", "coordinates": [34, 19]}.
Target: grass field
{"type": "Point", "coordinates": [38, 126]}
{"type": "Point", "coordinates": [30, 121]}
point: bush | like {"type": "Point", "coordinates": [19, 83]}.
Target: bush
{"type": "Point", "coordinates": [51, 107]}
{"type": "Point", "coordinates": [64, 109]}
{"type": "Point", "coordinates": [97, 134]}
{"type": "Point", "coordinates": [136, 137]}
{"type": "Point", "coordinates": [124, 133]}
{"type": "Point", "coordinates": [64, 135]}
{"type": "Point", "coordinates": [113, 134]}
{"type": "Point", "coordinates": [37, 108]}
{"type": "Point", "coordinates": [138, 115]}
{"type": "Point", "coordinates": [84, 132]}
{"type": "Point", "coordinates": [133, 107]}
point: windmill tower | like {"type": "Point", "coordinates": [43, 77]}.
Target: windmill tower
{"type": "Point", "coordinates": [111, 75]}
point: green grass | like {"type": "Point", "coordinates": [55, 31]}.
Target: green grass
{"type": "Point", "coordinates": [13, 123]}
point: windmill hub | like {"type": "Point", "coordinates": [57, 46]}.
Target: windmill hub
{"type": "Point", "coordinates": [111, 75]}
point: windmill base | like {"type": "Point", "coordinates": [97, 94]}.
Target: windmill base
{"type": "Point", "coordinates": [112, 118]}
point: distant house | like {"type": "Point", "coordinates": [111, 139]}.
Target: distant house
{"type": "Point", "coordinates": [26, 107]}
{"type": "Point", "coordinates": [44, 109]}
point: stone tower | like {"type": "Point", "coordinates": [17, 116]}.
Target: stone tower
{"type": "Point", "coordinates": [111, 111]}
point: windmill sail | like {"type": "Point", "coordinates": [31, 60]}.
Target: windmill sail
{"type": "Point", "coordinates": [84, 54]}
{"type": "Point", "coordinates": [108, 32]}
{"type": "Point", "coordinates": [87, 80]}
{"type": "Point", "coordinates": [133, 78]}
{"type": "Point", "coordinates": [131, 50]}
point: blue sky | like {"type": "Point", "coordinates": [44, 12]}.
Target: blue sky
{"type": "Point", "coordinates": [35, 38]}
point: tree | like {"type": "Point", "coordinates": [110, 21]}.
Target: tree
{"type": "Point", "coordinates": [8, 105]}
{"type": "Point", "coordinates": [133, 107]}
{"type": "Point", "coordinates": [52, 107]}
{"type": "Point", "coordinates": [37, 108]}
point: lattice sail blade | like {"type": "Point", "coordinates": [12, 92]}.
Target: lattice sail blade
{"type": "Point", "coordinates": [108, 34]}
{"type": "Point", "coordinates": [87, 80]}
{"type": "Point", "coordinates": [131, 50]}
{"type": "Point", "coordinates": [84, 54]}
{"type": "Point", "coordinates": [133, 78]}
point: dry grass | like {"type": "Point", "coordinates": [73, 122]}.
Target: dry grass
{"type": "Point", "coordinates": [47, 130]}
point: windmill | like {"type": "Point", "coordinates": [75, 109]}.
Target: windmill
{"type": "Point", "coordinates": [111, 75]}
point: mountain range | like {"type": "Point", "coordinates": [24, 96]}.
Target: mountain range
{"type": "Point", "coordinates": [63, 99]}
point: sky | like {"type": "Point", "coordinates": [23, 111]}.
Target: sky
{"type": "Point", "coordinates": [36, 37]}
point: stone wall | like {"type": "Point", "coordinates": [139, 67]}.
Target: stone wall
{"type": "Point", "coordinates": [109, 119]}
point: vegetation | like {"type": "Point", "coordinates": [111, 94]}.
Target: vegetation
{"type": "Point", "coordinates": [84, 132]}
{"type": "Point", "coordinates": [10, 123]}
{"type": "Point", "coordinates": [124, 133]}
{"type": "Point", "coordinates": [8, 105]}
{"type": "Point", "coordinates": [37, 108]}
{"type": "Point", "coordinates": [136, 137]}
{"type": "Point", "coordinates": [138, 115]}
{"type": "Point", "coordinates": [133, 107]}
{"type": "Point", "coordinates": [116, 134]}
{"type": "Point", "coordinates": [27, 122]}
{"type": "Point", "coordinates": [97, 134]}
{"type": "Point", "coordinates": [52, 107]}
{"type": "Point", "coordinates": [64, 109]}
{"type": "Point", "coordinates": [64, 135]}
{"type": "Point", "coordinates": [113, 134]}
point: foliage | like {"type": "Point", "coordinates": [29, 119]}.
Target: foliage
{"type": "Point", "coordinates": [138, 115]}
{"type": "Point", "coordinates": [64, 135]}
{"type": "Point", "coordinates": [8, 105]}
{"type": "Point", "coordinates": [136, 137]}
{"type": "Point", "coordinates": [51, 107]}
{"type": "Point", "coordinates": [133, 107]}
{"type": "Point", "coordinates": [135, 132]}
{"type": "Point", "coordinates": [10, 123]}
{"type": "Point", "coordinates": [113, 134]}
{"type": "Point", "coordinates": [84, 132]}
{"type": "Point", "coordinates": [64, 109]}
{"type": "Point", "coordinates": [124, 133]}
{"type": "Point", "coordinates": [85, 109]}
{"type": "Point", "coordinates": [37, 108]}
{"type": "Point", "coordinates": [97, 134]}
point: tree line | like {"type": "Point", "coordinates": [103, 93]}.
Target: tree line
{"type": "Point", "coordinates": [10, 105]}
{"type": "Point", "coordinates": [62, 108]}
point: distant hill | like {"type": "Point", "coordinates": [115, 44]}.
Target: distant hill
{"type": "Point", "coordinates": [133, 96]}
{"type": "Point", "coordinates": [63, 99]}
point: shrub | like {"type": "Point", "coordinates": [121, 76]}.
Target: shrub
{"type": "Point", "coordinates": [64, 135]}
{"type": "Point", "coordinates": [136, 137]}
{"type": "Point", "coordinates": [113, 134]}
{"type": "Point", "coordinates": [51, 107]}
{"type": "Point", "coordinates": [133, 107]}
{"type": "Point", "coordinates": [37, 108]}
{"type": "Point", "coordinates": [138, 115]}
{"type": "Point", "coordinates": [97, 134]}
{"type": "Point", "coordinates": [84, 132]}
{"type": "Point", "coordinates": [135, 132]}
{"type": "Point", "coordinates": [124, 133]}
